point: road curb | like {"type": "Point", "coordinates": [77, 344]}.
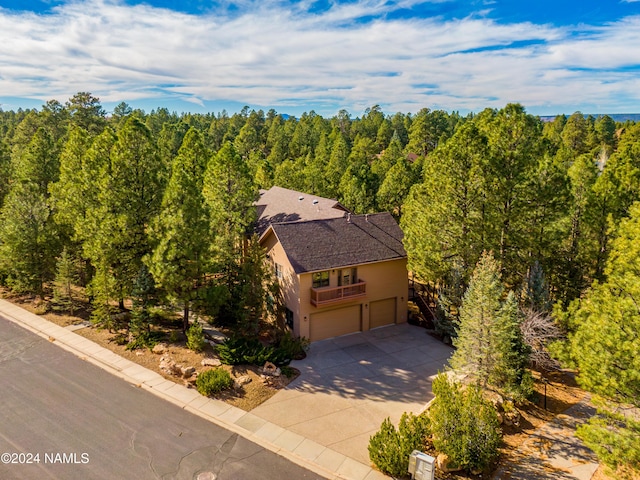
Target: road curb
{"type": "Point", "coordinates": [83, 348]}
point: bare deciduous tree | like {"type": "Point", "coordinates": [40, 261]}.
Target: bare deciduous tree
{"type": "Point", "coordinates": [538, 329]}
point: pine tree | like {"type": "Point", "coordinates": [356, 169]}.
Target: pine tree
{"type": "Point", "coordinates": [478, 350]}
{"type": "Point", "coordinates": [490, 346]}
{"type": "Point", "coordinates": [66, 277]}
{"type": "Point", "coordinates": [229, 195]}
{"type": "Point", "coordinates": [29, 238]}
{"type": "Point", "coordinates": [181, 232]}
{"type": "Point", "coordinates": [605, 345]}
{"type": "Point", "coordinates": [444, 217]}
{"type": "Point", "coordinates": [129, 191]}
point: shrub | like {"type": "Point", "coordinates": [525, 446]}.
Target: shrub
{"type": "Point", "coordinates": [465, 426]}
{"type": "Point", "coordinates": [195, 337]}
{"type": "Point", "coordinates": [292, 348]}
{"type": "Point", "coordinates": [144, 339]}
{"type": "Point", "coordinates": [389, 449]}
{"type": "Point", "coordinates": [213, 381]}
{"type": "Point", "coordinates": [238, 350]}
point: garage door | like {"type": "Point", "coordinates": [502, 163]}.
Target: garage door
{"type": "Point", "coordinates": [382, 312]}
{"type": "Point", "coordinates": [334, 323]}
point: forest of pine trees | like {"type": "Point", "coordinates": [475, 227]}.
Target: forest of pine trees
{"type": "Point", "coordinates": [113, 202]}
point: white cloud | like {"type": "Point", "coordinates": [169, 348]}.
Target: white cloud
{"type": "Point", "coordinates": [270, 54]}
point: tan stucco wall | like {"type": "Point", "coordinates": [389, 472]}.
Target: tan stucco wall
{"type": "Point", "coordinates": [289, 282]}
{"type": "Point", "coordinates": [384, 280]}
{"type": "Point", "coordinates": [387, 279]}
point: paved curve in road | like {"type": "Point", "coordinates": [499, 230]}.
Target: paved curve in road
{"type": "Point", "coordinates": [60, 407]}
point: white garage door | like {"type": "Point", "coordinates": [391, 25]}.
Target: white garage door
{"type": "Point", "coordinates": [334, 323]}
{"type": "Point", "coordinates": [382, 312]}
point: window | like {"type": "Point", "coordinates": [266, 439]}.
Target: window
{"type": "Point", "coordinates": [347, 276]}
{"type": "Point", "coordinates": [278, 270]}
{"type": "Point", "coordinates": [288, 315]}
{"type": "Point", "coordinates": [321, 279]}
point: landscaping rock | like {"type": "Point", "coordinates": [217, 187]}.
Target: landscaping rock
{"type": "Point", "coordinates": [159, 349]}
{"type": "Point", "coordinates": [241, 381]}
{"type": "Point", "coordinates": [271, 370]}
{"type": "Point", "coordinates": [187, 371]}
{"type": "Point", "coordinates": [191, 381]}
{"type": "Point", "coordinates": [210, 362]}
{"type": "Point", "coordinates": [167, 365]}
{"type": "Point", "coordinates": [215, 336]}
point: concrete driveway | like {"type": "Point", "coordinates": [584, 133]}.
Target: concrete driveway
{"type": "Point", "coordinates": [350, 384]}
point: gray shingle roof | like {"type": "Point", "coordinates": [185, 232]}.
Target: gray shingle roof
{"type": "Point", "coordinates": [283, 205]}
{"type": "Point", "coordinates": [340, 242]}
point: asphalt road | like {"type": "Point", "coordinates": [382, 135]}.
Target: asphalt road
{"type": "Point", "coordinates": [72, 420]}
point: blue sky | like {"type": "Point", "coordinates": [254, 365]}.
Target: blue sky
{"type": "Point", "coordinates": [323, 55]}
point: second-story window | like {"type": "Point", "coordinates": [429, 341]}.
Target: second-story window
{"type": "Point", "coordinates": [321, 279]}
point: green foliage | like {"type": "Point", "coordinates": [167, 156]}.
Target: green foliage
{"type": "Point", "coordinates": [195, 337]}
{"type": "Point", "coordinates": [180, 232]}
{"type": "Point", "coordinates": [490, 345]}
{"type": "Point", "coordinates": [292, 347]}
{"type": "Point", "coordinates": [213, 381]}
{"type": "Point", "coordinates": [464, 425]}
{"type": "Point", "coordinates": [29, 241]}
{"type": "Point", "coordinates": [66, 276]}
{"type": "Point", "coordinates": [239, 350]}
{"type": "Point", "coordinates": [615, 438]}
{"type": "Point", "coordinates": [144, 338]}
{"type": "Point", "coordinates": [603, 344]}
{"type": "Point", "coordinates": [389, 449]}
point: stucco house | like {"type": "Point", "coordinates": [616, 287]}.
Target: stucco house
{"type": "Point", "coordinates": [340, 273]}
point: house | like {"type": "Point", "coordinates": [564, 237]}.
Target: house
{"type": "Point", "coordinates": [340, 273]}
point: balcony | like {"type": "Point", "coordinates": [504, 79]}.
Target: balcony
{"type": "Point", "coordinates": [328, 295]}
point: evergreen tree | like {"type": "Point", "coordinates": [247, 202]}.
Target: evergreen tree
{"type": "Point", "coordinates": [28, 239]}
{"type": "Point", "coordinates": [358, 185]}
{"type": "Point", "coordinates": [514, 139]}
{"type": "Point", "coordinates": [66, 277]}
{"type": "Point", "coordinates": [490, 347]}
{"type": "Point", "coordinates": [395, 188]}
{"type": "Point", "coordinates": [605, 346]}
{"type": "Point", "coordinates": [129, 193]}
{"type": "Point", "coordinates": [229, 196]}
{"type": "Point", "coordinates": [181, 231]}
{"type": "Point", "coordinates": [444, 217]}
{"type": "Point", "coordinates": [464, 425]}
{"type": "Point", "coordinates": [337, 165]}
{"type": "Point", "coordinates": [86, 112]}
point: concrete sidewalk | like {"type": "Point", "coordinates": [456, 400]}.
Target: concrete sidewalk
{"type": "Point", "coordinates": [293, 446]}
{"type": "Point", "coordinates": [554, 451]}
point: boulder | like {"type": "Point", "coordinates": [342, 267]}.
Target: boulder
{"type": "Point", "coordinates": [210, 362]}
{"type": "Point", "coordinates": [191, 381]}
{"type": "Point", "coordinates": [159, 348]}
{"type": "Point", "coordinates": [271, 370]}
{"type": "Point", "coordinates": [167, 365]}
{"type": "Point", "coordinates": [241, 381]}
{"type": "Point", "coordinates": [187, 371]}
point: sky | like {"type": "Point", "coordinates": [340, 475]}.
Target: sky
{"type": "Point", "coordinates": [553, 57]}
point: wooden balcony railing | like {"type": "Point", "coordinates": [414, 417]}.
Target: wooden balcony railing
{"type": "Point", "coordinates": [326, 295]}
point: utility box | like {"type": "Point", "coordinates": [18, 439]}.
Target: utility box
{"type": "Point", "coordinates": [422, 466]}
